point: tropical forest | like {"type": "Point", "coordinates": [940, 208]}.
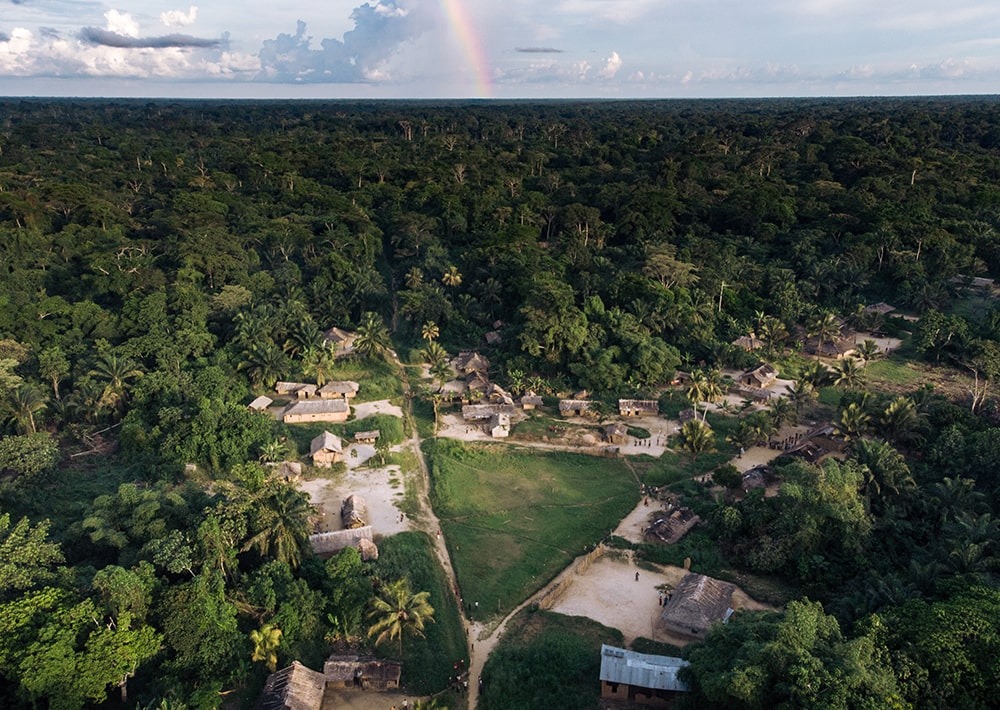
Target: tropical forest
{"type": "Point", "coordinates": [533, 337]}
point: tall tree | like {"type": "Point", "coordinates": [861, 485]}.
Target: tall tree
{"type": "Point", "coordinates": [396, 611]}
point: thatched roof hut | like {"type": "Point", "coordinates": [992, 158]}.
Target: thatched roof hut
{"type": "Point", "coordinates": [326, 449]}
{"type": "Point", "coordinates": [342, 389]}
{"type": "Point", "coordinates": [697, 603]}
{"type": "Point", "coordinates": [368, 549]}
{"type": "Point", "coordinates": [293, 688]}
{"type": "Point", "coordinates": [574, 407]}
{"type": "Point", "coordinates": [669, 526]}
{"type": "Point", "coordinates": [301, 390]}
{"type": "Point", "coordinates": [329, 542]}
{"type": "Point", "coordinates": [759, 377]}
{"type": "Point", "coordinates": [638, 407]}
{"type": "Point", "coordinates": [361, 672]}
{"type": "Point", "coordinates": [471, 361]}
{"type": "Point", "coordinates": [615, 433]}
{"type": "Point", "coordinates": [367, 437]}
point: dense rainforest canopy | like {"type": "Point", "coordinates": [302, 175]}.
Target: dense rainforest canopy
{"type": "Point", "coordinates": [161, 260]}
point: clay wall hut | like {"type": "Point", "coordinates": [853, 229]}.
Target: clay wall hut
{"type": "Point", "coordinates": [299, 390]}
{"type": "Point", "coordinates": [293, 688]}
{"type": "Point", "coordinates": [317, 410]}
{"type": "Point", "coordinates": [697, 603]}
{"type": "Point", "coordinates": [638, 407]}
{"type": "Point", "coordinates": [530, 401]}
{"type": "Point", "coordinates": [669, 526]}
{"type": "Point", "coordinates": [482, 412]}
{"type": "Point", "coordinates": [574, 407]}
{"type": "Point", "coordinates": [615, 433]}
{"type": "Point", "coordinates": [326, 450]}
{"type": "Point", "coordinates": [344, 389]}
{"type": "Point", "coordinates": [361, 672]}
{"type": "Point", "coordinates": [760, 377]}
{"type": "Point", "coordinates": [640, 678]}
{"type": "Point", "coordinates": [367, 437]}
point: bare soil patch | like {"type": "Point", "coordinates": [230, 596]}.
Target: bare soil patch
{"type": "Point", "coordinates": [609, 593]}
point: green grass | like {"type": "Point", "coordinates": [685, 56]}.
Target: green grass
{"type": "Point", "coordinates": [546, 660]}
{"type": "Point", "coordinates": [300, 435]}
{"type": "Point", "coordinates": [893, 371]}
{"type": "Point", "coordinates": [427, 661]}
{"type": "Point", "coordinates": [378, 378]}
{"type": "Point", "coordinates": [514, 518]}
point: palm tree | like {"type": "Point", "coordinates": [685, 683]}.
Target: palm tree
{"type": "Point", "coordinates": [264, 363]}
{"type": "Point", "coordinates": [283, 521]}
{"type": "Point", "coordinates": [373, 337]}
{"type": "Point", "coordinates": [430, 331]}
{"type": "Point", "coordinates": [319, 362]}
{"type": "Point", "coordinates": [21, 405]}
{"type": "Point", "coordinates": [847, 373]}
{"type": "Point", "coordinates": [440, 371]}
{"type": "Point", "coordinates": [266, 642]}
{"type": "Point", "coordinates": [901, 421]}
{"type": "Point", "coordinates": [801, 393]}
{"type": "Point", "coordinates": [452, 277]}
{"type": "Point", "coordinates": [816, 373]}
{"type": "Point", "coordinates": [116, 373]}
{"type": "Point", "coordinates": [825, 328]}
{"type": "Point", "coordinates": [696, 438]}
{"type": "Point", "coordinates": [853, 422]}
{"type": "Point", "coordinates": [273, 451]}
{"type": "Point", "coordinates": [772, 332]}
{"type": "Point", "coordinates": [414, 277]}
{"type": "Point", "coordinates": [868, 350]}
{"type": "Point", "coordinates": [396, 612]}
{"type": "Point", "coordinates": [781, 410]}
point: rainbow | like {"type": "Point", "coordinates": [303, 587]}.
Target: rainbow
{"type": "Point", "coordinates": [472, 46]}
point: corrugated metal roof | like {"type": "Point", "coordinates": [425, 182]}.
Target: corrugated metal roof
{"type": "Point", "coordinates": [641, 670]}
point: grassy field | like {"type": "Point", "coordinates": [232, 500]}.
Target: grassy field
{"type": "Point", "coordinates": [544, 661]}
{"type": "Point", "coordinates": [300, 435]}
{"type": "Point", "coordinates": [514, 518]}
{"type": "Point", "coordinates": [378, 378]}
{"type": "Point", "coordinates": [427, 661]}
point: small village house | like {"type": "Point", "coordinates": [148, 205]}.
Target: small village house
{"type": "Point", "coordinates": [696, 604]}
{"type": "Point", "coordinates": [574, 407]}
{"type": "Point", "coordinates": [296, 687]}
{"type": "Point", "coordinates": [470, 361]}
{"type": "Point", "coordinates": [748, 342]}
{"type": "Point", "coordinates": [638, 407]}
{"type": "Point", "coordinates": [499, 425]}
{"type": "Point", "coordinates": [316, 410]}
{"type": "Point", "coordinates": [339, 390]}
{"type": "Point", "coordinates": [669, 526]}
{"type": "Point", "coordinates": [760, 377]}
{"type": "Point", "coordinates": [260, 404]}
{"type": "Point", "coordinates": [326, 450]}
{"type": "Point", "coordinates": [362, 672]}
{"type": "Point", "coordinates": [299, 390]}
{"type": "Point", "coordinates": [327, 543]}
{"type": "Point", "coordinates": [615, 433]}
{"type": "Point", "coordinates": [342, 341]}
{"type": "Point", "coordinates": [367, 437]}
{"type": "Point", "coordinates": [531, 401]}
{"type": "Point", "coordinates": [482, 412]}
{"type": "Point", "coordinates": [640, 678]}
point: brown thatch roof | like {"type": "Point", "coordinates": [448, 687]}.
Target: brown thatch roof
{"type": "Point", "coordinates": [697, 603]}
{"type": "Point", "coordinates": [471, 361]}
{"type": "Point", "coordinates": [346, 388]}
{"type": "Point", "coordinates": [749, 342]}
{"type": "Point", "coordinates": [473, 412]}
{"type": "Point", "coordinates": [329, 542]}
{"type": "Point", "coordinates": [760, 376]}
{"type": "Point", "coordinates": [573, 405]}
{"type": "Point", "coordinates": [638, 407]}
{"type": "Point", "coordinates": [260, 403]}
{"type": "Point", "coordinates": [368, 549]}
{"type": "Point", "coordinates": [293, 688]}
{"type": "Point", "coordinates": [326, 442]}
{"type": "Point", "coordinates": [669, 526]}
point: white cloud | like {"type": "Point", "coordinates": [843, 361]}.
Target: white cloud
{"type": "Point", "coordinates": [178, 18]}
{"type": "Point", "coordinates": [122, 23]}
{"type": "Point", "coordinates": [611, 66]}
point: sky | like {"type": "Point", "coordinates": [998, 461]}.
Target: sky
{"type": "Point", "coordinates": [499, 48]}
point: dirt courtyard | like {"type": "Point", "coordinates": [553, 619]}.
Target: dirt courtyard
{"type": "Point", "coordinates": [609, 593]}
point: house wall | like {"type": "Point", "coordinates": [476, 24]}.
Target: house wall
{"type": "Point", "coordinates": [336, 417]}
{"type": "Point", "coordinates": [326, 459]}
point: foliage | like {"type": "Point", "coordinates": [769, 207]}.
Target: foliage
{"type": "Point", "coordinates": [546, 660]}
{"type": "Point", "coordinates": [428, 660]}
{"type": "Point", "coordinates": [29, 454]}
{"type": "Point", "coordinates": [798, 658]}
